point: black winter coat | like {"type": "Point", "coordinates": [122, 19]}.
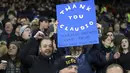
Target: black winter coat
{"type": "Point", "coordinates": [37, 64]}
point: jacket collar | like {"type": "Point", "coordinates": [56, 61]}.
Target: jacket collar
{"type": "Point", "coordinates": [45, 57]}
{"type": "Point", "coordinates": [106, 49]}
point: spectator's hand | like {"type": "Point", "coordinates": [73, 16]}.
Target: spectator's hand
{"type": "Point", "coordinates": [3, 66]}
{"type": "Point", "coordinates": [39, 35]}
{"type": "Point", "coordinates": [55, 26]}
{"type": "Point", "coordinates": [116, 55]}
{"type": "Point", "coordinates": [99, 26]}
{"type": "Point", "coordinates": [112, 44]}
{"type": "Point", "coordinates": [56, 23]}
{"type": "Point", "coordinates": [107, 56]}
{"type": "Point", "coordinates": [14, 19]}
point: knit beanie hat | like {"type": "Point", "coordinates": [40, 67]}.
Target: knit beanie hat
{"type": "Point", "coordinates": [22, 29]}
{"type": "Point", "coordinates": [64, 62]}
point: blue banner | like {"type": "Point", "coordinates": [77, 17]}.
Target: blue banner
{"type": "Point", "coordinates": [77, 24]}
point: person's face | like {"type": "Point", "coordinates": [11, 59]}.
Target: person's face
{"type": "Point", "coordinates": [23, 21]}
{"type": "Point", "coordinates": [11, 17]}
{"type": "Point", "coordinates": [46, 47]}
{"type": "Point", "coordinates": [117, 27]}
{"type": "Point", "coordinates": [12, 50]}
{"type": "Point", "coordinates": [70, 69]}
{"type": "Point", "coordinates": [76, 51]}
{"type": "Point", "coordinates": [17, 29]}
{"type": "Point", "coordinates": [78, 48]}
{"type": "Point", "coordinates": [110, 34]}
{"type": "Point", "coordinates": [3, 5]}
{"type": "Point", "coordinates": [3, 17]}
{"type": "Point", "coordinates": [26, 34]}
{"type": "Point", "coordinates": [110, 29]}
{"type": "Point", "coordinates": [107, 42]}
{"type": "Point", "coordinates": [8, 27]}
{"type": "Point", "coordinates": [125, 44]}
{"type": "Point", "coordinates": [115, 20]}
{"type": "Point", "coordinates": [117, 15]}
{"type": "Point", "coordinates": [44, 24]}
{"type": "Point", "coordinates": [123, 25]}
{"type": "Point", "coordinates": [115, 70]}
{"type": "Point", "coordinates": [6, 4]}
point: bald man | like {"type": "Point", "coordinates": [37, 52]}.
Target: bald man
{"type": "Point", "coordinates": [114, 68]}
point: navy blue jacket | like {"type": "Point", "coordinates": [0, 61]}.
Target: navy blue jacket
{"type": "Point", "coordinates": [84, 64]}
